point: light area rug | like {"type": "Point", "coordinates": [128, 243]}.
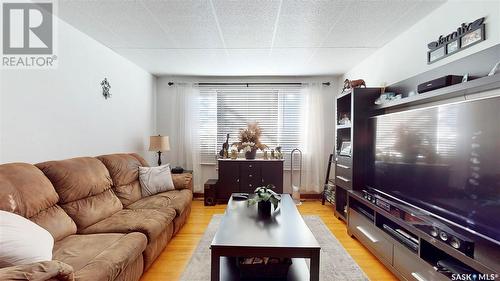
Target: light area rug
{"type": "Point", "coordinates": [335, 263]}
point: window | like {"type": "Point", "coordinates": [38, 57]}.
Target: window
{"type": "Point", "coordinates": [225, 109]}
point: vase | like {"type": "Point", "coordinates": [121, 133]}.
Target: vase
{"type": "Point", "coordinates": [264, 208]}
{"type": "Point", "coordinates": [250, 155]}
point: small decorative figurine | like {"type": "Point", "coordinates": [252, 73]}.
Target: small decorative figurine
{"type": "Point", "coordinates": [279, 155]}
{"type": "Point", "coordinates": [234, 153]}
{"type": "Point", "coordinates": [265, 155]}
{"type": "Point", "coordinates": [225, 147]}
{"type": "Point", "coordinates": [344, 120]}
{"type": "Point", "coordinates": [349, 84]}
{"type": "Point", "coordinates": [272, 154]}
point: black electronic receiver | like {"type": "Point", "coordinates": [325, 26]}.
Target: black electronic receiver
{"type": "Point", "coordinates": [402, 238]}
{"type": "Point", "coordinates": [438, 83]}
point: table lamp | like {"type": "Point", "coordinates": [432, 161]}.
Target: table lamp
{"type": "Point", "coordinates": [159, 144]}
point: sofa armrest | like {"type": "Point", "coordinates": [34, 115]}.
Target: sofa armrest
{"type": "Point", "coordinates": [40, 271]}
{"type": "Point", "coordinates": [183, 181]}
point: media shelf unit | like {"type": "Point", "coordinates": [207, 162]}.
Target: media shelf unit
{"type": "Point", "coordinates": [356, 103]}
{"type": "Point", "coordinates": [407, 251]}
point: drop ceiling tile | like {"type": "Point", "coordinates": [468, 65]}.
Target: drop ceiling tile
{"type": "Point", "coordinates": [370, 20]}
{"type": "Point", "coordinates": [292, 60]}
{"type": "Point", "coordinates": [130, 19]}
{"type": "Point", "coordinates": [186, 37]}
{"type": "Point", "coordinates": [306, 23]}
{"type": "Point", "coordinates": [190, 23]}
{"type": "Point", "coordinates": [203, 61]}
{"type": "Point", "coordinates": [407, 19]}
{"type": "Point", "coordinates": [76, 14]}
{"type": "Point", "coordinates": [247, 24]}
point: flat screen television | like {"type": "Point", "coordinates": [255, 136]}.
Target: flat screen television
{"type": "Point", "coordinates": [443, 159]}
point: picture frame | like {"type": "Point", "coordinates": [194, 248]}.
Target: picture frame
{"type": "Point", "coordinates": [471, 38]}
{"type": "Point", "coordinates": [452, 47]}
{"type": "Point", "coordinates": [437, 54]}
{"type": "Point", "coordinates": [345, 149]}
{"type": "Point", "coordinates": [465, 36]}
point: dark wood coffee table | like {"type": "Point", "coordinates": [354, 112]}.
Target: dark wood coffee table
{"type": "Point", "coordinates": [243, 233]}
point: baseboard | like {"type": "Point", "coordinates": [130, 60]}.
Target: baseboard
{"type": "Point", "coordinates": [305, 196]}
{"type": "Point", "coordinates": [311, 196]}
{"type": "Point", "coordinates": [198, 195]}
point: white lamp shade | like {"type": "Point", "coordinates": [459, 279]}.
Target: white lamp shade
{"type": "Point", "coordinates": [159, 143]}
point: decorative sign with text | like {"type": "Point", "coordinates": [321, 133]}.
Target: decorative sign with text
{"type": "Point", "coordinates": [466, 35]}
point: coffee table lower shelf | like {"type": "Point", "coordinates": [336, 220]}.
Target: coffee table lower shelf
{"type": "Point", "coordinates": [230, 272]}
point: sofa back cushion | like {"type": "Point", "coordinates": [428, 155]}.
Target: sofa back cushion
{"type": "Point", "coordinates": [26, 191]}
{"type": "Point", "coordinates": [124, 171]}
{"type": "Point", "coordinates": [84, 188]}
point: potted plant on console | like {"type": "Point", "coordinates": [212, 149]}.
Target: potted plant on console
{"type": "Point", "coordinates": [264, 197]}
{"type": "Point", "coordinates": [250, 140]}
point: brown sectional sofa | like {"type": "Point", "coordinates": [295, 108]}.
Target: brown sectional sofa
{"type": "Point", "coordinates": [102, 227]}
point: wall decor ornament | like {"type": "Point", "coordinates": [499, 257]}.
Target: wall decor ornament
{"type": "Point", "coordinates": [105, 88]}
{"type": "Point", "coordinates": [466, 35]}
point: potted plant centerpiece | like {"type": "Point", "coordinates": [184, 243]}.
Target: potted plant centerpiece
{"type": "Point", "coordinates": [250, 140]}
{"type": "Point", "coordinates": [264, 197]}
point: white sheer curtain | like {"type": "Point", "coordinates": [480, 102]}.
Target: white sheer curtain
{"type": "Point", "coordinates": [314, 139]}
{"type": "Point", "coordinates": [186, 152]}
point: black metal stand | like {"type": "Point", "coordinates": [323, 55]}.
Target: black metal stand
{"type": "Point", "coordinates": [331, 159]}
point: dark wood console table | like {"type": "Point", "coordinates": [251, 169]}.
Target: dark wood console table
{"type": "Point", "coordinates": [243, 175]}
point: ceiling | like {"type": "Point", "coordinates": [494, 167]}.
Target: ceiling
{"type": "Point", "coordinates": [249, 38]}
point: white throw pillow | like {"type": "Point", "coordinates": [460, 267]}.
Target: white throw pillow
{"type": "Point", "coordinates": [155, 180]}
{"type": "Point", "coordinates": [23, 241]}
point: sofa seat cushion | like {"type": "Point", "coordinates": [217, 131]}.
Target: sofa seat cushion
{"type": "Point", "coordinates": [179, 200]}
{"type": "Point", "coordinates": [147, 221]}
{"type": "Point", "coordinates": [99, 256]}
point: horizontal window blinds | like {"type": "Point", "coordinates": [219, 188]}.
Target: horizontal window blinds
{"type": "Point", "coordinates": [225, 109]}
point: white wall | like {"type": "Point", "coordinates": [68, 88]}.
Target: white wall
{"type": "Point", "coordinates": [167, 114]}
{"type": "Point", "coordinates": [61, 113]}
{"type": "Point", "coordinates": [406, 55]}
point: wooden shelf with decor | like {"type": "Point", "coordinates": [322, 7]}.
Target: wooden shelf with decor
{"type": "Point", "coordinates": [356, 104]}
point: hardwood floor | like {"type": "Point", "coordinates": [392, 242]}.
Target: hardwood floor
{"type": "Point", "coordinates": [170, 264]}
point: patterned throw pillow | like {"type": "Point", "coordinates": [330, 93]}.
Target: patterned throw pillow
{"type": "Point", "coordinates": [155, 180]}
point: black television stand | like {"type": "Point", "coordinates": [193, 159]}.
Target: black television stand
{"type": "Point", "coordinates": [411, 253]}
